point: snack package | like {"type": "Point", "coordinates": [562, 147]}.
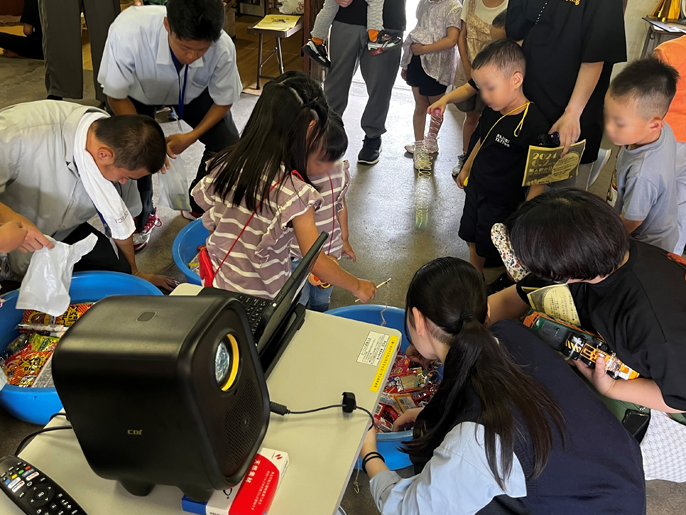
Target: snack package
{"type": "Point", "coordinates": [194, 264]}
{"type": "Point", "coordinates": [405, 401]}
{"type": "Point", "coordinates": [409, 386]}
{"type": "Point", "coordinates": [29, 366]}
{"type": "Point", "coordinates": [16, 345]}
{"type": "Point", "coordinates": [37, 321]}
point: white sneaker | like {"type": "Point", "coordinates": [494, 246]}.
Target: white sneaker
{"type": "Point", "coordinates": [140, 241]}
{"type": "Point", "coordinates": [409, 149]}
{"type": "Point", "coordinates": [603, 157]}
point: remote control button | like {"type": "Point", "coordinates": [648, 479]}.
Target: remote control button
{"type": "Point", "coordinates": [10, 469]}
{"type": "Point", "coordinates": [40, 497]}
{"type": "Point", "coordinates": [61, 512]}
{"type": "Point", "coordinates": [21, 495]}
{"type": "Point", "coordinates": [17, 486]}
{"type": "Point", "coordinates": [53, 506]}
{"type": "Point", "coordinates": [60, 495]}
{"type": "Point", "coordinates": [39, 511]}
{"type": "Point", "coordinates": [32, 476]}
{"type": "Point", "coordinates": [42, 479]}
{"type": "Point", "coordinates": [64, 502]}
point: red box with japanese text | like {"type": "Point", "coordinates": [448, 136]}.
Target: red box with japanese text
{"type": "Point", "coordinates": [254, 495]}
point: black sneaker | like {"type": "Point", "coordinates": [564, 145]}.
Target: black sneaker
{"type": "Point", "coordinates": [371, 150]}
{"type": "Point", "coordinates": [384, 42]}
{"type": "Point", "coordinates": [499, 284]}
{"type": "Point", "coordinates": [317, 53]}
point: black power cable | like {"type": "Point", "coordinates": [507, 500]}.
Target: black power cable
{"type": "Point", "coordinates": [348, 405]}
{"type": "Point", "coordinates": [23, 443]}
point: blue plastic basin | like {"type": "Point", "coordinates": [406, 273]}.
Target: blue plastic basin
{"type": "Point", "coordinates": [388, 443]}
{"type": "Point", "coordinates": [185, 248]}
{"type": "Point", "coordinates": [36, 405]}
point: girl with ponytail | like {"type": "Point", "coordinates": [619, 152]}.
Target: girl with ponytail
{"type": "Point", "coordinates": [511, 430]}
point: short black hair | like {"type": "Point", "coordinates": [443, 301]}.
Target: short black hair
{"type": "Point", "coordinates": [504, 54]}
{"type": "Point", "coordinates": [336, 138]}
{"type": "Point", "coordinates": [650, 82]}
{"type": "Point", "coordinates": [196, 20]}
{"type": "Point", "coordinates": [499, 21]}
{"type": "Point", "coordinates": [568, 234]}
{"type": "Point", "coordinates": [137, 141]}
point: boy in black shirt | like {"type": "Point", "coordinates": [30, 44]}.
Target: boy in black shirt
{"type": "Point", "coordinates": [630, 293]}
{"type": "Point", "coordinates": [509, 125]}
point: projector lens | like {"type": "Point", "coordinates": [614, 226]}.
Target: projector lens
{"type": "Point", "coordinates": [222, 364]}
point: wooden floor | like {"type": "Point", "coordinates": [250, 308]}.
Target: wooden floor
{"type": "Point", "coordinates": [246, 51]}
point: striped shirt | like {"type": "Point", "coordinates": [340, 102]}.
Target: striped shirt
{"type": "Point", "coordinates": [260, 262]}
{"type": "Point", "coordinates": [327, 217]}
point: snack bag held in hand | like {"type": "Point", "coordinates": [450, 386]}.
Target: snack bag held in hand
{"type": "Point", "coordinates": [46, 284]}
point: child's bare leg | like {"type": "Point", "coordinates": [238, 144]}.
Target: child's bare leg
{"type": "Point", "coordinates": [421, 104]}
{"type": "Point", "coordinates": [471, 121]}
{"type": "Point", "coordinates": [476, 260]}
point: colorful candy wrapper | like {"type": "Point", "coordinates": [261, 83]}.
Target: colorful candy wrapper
{"type": "Point", "coordinates": [405, 401]}
{"type": "Point", "coordinates": [37, 321]}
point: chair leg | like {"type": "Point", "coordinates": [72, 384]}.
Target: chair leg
{"type": "Point", "coordinates": [279, 56]}
{"type": "Point", "coordinates": [259, 61]}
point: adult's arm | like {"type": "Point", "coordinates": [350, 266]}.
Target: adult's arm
{"type": "Point", "coordinates": [121, 106]}
{"type": "Point", "coordinates": [631, 225]}
{"type": "Point", "coordinates": [161, 281]}
{"type": "Point", "coordinates": [506, 304]}
{"type": "Point", "coordinates": [34, 239]}
{"type": "Point", "coordinates": [569, 125]}
{"type": "Point", "coordinates": [177, 143]}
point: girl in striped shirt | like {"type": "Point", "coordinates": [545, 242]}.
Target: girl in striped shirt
{"type": "Point", "coordinates": [257, 197]}
{"type": "Point", "coordinates": [332, 183]}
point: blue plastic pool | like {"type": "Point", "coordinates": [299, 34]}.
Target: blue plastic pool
{"type": "Point", "coordinates": [36, 405]}
{"type": "Point", "coordinates": [388, 443]}
{"type": "Point", "coordinates": [186, 246]}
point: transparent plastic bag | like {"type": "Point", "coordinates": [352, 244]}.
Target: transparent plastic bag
{"type": "Point", "coordinates": [45, 286]}
{"type": "Point", "coordinates": [174, 186]}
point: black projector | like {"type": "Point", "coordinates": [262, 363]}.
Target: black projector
{"type": "Point", "coordinates": [164, 390]}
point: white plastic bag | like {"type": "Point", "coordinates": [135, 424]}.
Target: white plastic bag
{"type": "Point", "coordinates": [174, 186]}
{"type": "Point", "coordinates": [46, 284]}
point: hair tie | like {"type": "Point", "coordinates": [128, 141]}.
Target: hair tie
{"type": "Point", "coordinates": [465, 315]}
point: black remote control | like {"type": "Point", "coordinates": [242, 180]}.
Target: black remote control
{"type": "Point", "coordinates": [33, 491]}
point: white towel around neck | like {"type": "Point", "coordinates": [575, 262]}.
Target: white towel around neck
{"type": "Point", "coordinates": [102, 192]}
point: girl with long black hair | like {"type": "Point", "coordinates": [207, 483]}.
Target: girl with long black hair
{"type": "Point", "coordinates": [511, 430]}
{"type": "Point", "coordinates": [258, 197]}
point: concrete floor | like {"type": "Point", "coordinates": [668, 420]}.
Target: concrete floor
{"type": "Point", "coordinates": [381, 205]}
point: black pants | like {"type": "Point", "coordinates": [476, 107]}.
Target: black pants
{"type": "Point", "coordinates": [215, 140]}
{"type": "Point", "coordinates": [102, 257]}
{"type": "Point", "coordinates": [30, 47]}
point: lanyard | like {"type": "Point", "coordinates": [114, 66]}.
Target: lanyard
{"type": "Point", "coordinates": [182, 91]}
{"type": "Point", "coordinates": [333, 215]}
{"type": "Point", "coordinates": [517, 130]}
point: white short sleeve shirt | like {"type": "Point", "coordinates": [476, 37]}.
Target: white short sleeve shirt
{"type": "Point", "coordinates": [137, 63]}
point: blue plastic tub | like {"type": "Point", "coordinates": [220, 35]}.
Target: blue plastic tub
{"type": "Point", "coordinates": [36, 405]}
{"type": "Point", "coordinates": [388, 443]}
{"type": "Point", "coordinates": [185, 248]}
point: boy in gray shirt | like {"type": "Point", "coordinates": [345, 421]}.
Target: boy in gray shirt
{"type": "Point", "coordinates": [643, 188]}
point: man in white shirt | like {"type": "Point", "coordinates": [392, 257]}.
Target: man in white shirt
{"type": "Point", "coordinates": [176, 56]}
{"type": "Point", "coordinates": [58, 161]}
